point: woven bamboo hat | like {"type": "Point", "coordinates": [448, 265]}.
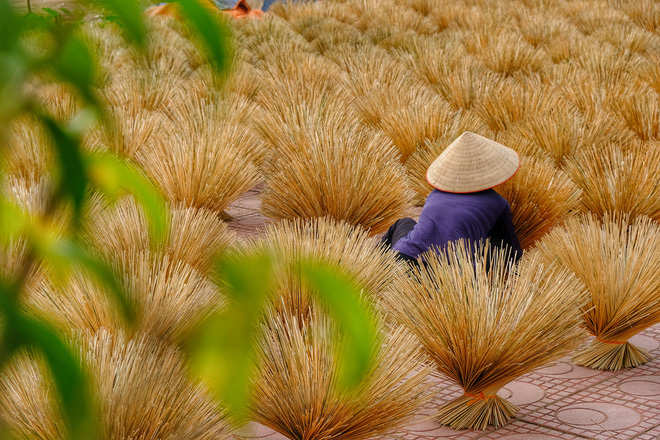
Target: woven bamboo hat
{"type": "Point", "coordinates": [472, 163]}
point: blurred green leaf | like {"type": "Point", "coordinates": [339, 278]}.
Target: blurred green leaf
{"type": "Point", "coordinates": [10, 26]}
{"type": "Point", "coordinates": [14, 221]}
{"type": "Point", "coordinates": [129, 16]}
{"type": "Point", "coordinates": [73, 175]}
{"type": "Point", "coordinates": [215, 35]}
{"type": "Point", "coordinates": [112, 175]}
{"type": "Point", "coordinates": [51, 12]}
{"type": "Point", "coordinates": [222, 349]}
{"type": "Point", "coordinates": [339, 293]}
{"type": "Point", "coordinates": [75, 64]}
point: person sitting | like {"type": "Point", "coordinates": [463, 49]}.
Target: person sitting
{"type": "Point", "coordinates": [463, 204]}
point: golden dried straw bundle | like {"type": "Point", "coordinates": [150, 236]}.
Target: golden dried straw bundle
{"type": "Point", "coordinates": [590, 17]}
{"type": "Point", "coordinates": [269, 35]}
{"type": "Point", "coordinates": [136, 91]}
{"type": "Point", "coordinates": [617, 259]}
{"type": "Point", "coordinates": [200, 163]}
{"type": "Point", "coordinates": [613, 179]}
{"type": "Point", "coordinates": [541, 196]}
{"type": "Point", "coordinates": [644, 13]}
{"type": "Point", "coordinates": [284, 124]}
{"type": "Point", "coordinates": [169, 297]}
{"type": "Point", "coordinates": [649, 70]}
{"type": "Point", "coordinates": [628, 36]}
{"type": "Point", "coordinates": [399, 19]}
{"type": "Point", "coordinates": [142, 388]}
{"type": "Point", "coordinates": [485, 322]}
{"type": "Point", "coordinates": [432, 58]}
{"type": "Point", "coordinates": [321, 240]}
{"type": "Point", "coordinates": [196, 235]}
{"type": "Point", "coordinates": [464, 84]}
{"type": "Point", "coordinates": [27, 154]}
{"type": "Point", "coordinates": [410, 126]}
{"type": "Point", "coordinates": [233, 113]}
{"type": "Point", "coordinates": [639, 106]}
{"type": "Point", "coordinates": [27, 403]}
{"type": "Point", "coordinates": [557, 131]}
{"type": "Point", "coordinates": [508, 54]}
{"type": "Point", "coordinates": [510, 102]}
{"type": "Point", "coordinates": [127, 133]}
{"type": "Point", "coordinates": [338, 173]}
{"type": "Point", "coordinates": [296, 391]}
{"type": "Point", "coordinates": [607, 64]}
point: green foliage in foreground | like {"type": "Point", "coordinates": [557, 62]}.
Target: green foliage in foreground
{"type": "Point", "coordinates": [222, 350]}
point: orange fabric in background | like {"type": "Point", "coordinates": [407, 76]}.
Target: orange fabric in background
{"type": "Point", "coordinates": [240, 10]}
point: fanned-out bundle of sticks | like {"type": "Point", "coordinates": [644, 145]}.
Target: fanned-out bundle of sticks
{"type": "Point", "coordinates": [333, 111]}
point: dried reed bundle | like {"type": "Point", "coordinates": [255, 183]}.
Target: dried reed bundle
{"type": "Point", "coordinates": [485, 322]}
{"type": "Point", "coordinates": [617, 259]}
{"type": "Point", "coordinates": [465, 84]}
{"type": "Point", "coordinates": [200, 164]}
{"type": "Point", "coordinates": [443, 15]}
{"type": "Point", "coordinates": [142, 388]}
{"type": "Point", "coordinates": [127, 133]}
{"type": "Point", "coordinates": [639, 107]}
{"type": "Point", "coordinates": [608, 65]}
{"type": "Point", "coordinates": [628, 36]}
{"type": "Point", "coordinates": [589, 17]}
{"type": "Point", "coordinates": [329, 41]}
{"type": "Point", "coordinates": [509, 102]}
{"type": "Point", "coordinates": [507, 54]}
{"type": "Point", "coordinates": [137, 91]}
{"type": "Point", "coordinates": [321, 240]}
{"type": "Point", "coordinates": [644, 13]}
{"type": "Point", "coordinates": [370, 69]}
{"type": "Point", "coordinates": [242, 79]}
{"type": "Point", "coordinates": [541, 197]}
{"type": "Point", "coordinates": [232, 113]}
{"type": "Point", "coordinates": [649, 70]}
{"type": "Point", "coordinates": [338, 174]}
{"type": "Point", "coordinates": [291, 126]}
{"type": "Point", "coordinates": [169, 297]}
{"type": "Point", "coordinates": [27, 154]}
{"type": "Point", "coordinates": [613, 179]}
{"type": "Point", "coordinates": [283, 75]}
{"type": "Point", "coordinates": [195, 235]}
{"type": "Point", "coordinates": [75, 304]}
{"type": "Point", "coordinates": [425, 153]}
{"type": "Point", "coordinates": [378, 104]}
{"type": "Point", "coordinates": [557, 131]}
{"type": "Point", "coordinates": [296, 391]}
{"type": "Point", "coordinates": [269, 35]}
{"type": "Point", "coordinates": [431, 57]}
{"type": "Point", "coordinates": [27, 405]}
{"type": "Point", "coordinates": [579, 88]}
{"type": "Point", "coordinates": [59, 100]}
{"type": "Point", "coordinates": [410, 126]}
{"type": "Point", "coordinates": [401, 19]}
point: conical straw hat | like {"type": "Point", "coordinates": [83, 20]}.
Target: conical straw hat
{"type": "Point", "coordinates": [472, 163]}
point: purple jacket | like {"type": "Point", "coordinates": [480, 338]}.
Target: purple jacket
{"type": "Point", "coordinates": [449, 217]}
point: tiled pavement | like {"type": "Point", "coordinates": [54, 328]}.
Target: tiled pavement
{"type": "Point", "coordinates": [560, 401]}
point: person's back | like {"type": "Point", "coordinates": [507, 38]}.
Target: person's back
{"type": "Point", "coordinates": [450, 217]}
{"type": "Point", "coordinates": [463, 206]}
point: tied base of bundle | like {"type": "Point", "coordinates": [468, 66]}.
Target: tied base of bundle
{"type": "Point", "coordinates": [476, 412]}
{"type": "Point", "coordinates": [611, 356]}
